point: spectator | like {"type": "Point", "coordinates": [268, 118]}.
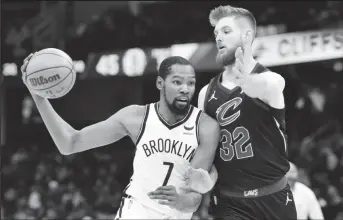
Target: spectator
{"type": "Point", "coordinates": [305, 200]}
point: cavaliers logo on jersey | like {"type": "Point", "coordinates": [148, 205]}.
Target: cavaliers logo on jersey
{"type": "Point", "coordinates": [229, 106]}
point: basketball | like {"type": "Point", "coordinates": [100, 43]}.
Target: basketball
{"type": "Point", "coordinates": [50, 73]}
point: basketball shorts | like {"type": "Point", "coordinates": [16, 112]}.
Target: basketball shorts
{"type": "Point", "coordinates": [276, 206]}
{"type": "Point", "coordinates": [132, 209]}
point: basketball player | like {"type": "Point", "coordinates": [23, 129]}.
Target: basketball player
{"type": "Point", "coordinates": [247, 101]}
{"type": "Point", "coordinates": [305, 200]}
{"type": "Point", "coordinates": [175, 145]}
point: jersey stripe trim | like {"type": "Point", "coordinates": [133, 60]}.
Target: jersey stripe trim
{"type": "Point", "coordinates": [121, 207]}
{"type": "Point", "coordinates": [282, 134]}
{"type": "Point", "coordinates": [209, 88]}
{"type": "Point", "coordinates": [197, 124]}
{"type": "Point", "coordinates": [169, 126]}
{"type": "Point", "coordinates": [143, 124]}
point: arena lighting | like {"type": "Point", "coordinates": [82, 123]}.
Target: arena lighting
{"type": "Point", "coordinates": [274, 50]}
{"type": "Point", "coordinates": [338, 66]}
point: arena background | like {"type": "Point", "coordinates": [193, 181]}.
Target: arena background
{"type": "Point", "coordinates": [116, 48]}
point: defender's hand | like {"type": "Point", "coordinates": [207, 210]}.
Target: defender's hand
{"type": "Point", "coordinates": [199, 180]}
{"type": "Point", "coordinates": [166, 195]}
{"type": "Point", "coordinates": [245, 61]}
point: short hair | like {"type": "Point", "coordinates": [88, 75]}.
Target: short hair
{"type": "Point", "coordinates": [166, 65]}
{"type": "Point", "coordinates": [226, 11]}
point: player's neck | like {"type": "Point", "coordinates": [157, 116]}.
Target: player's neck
{"type": "Point", "coordinates": [228, 74]}
{"type": "Point", "coordinates": [168, 115]}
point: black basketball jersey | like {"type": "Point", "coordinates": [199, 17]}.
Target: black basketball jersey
{"type": "Point", "coordinates": [253, 149]}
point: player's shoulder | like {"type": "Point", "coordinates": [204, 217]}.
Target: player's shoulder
{"type": "Point", "coordinates": [260, 69]}
{"type": "Point", "coordinates": [303, 188]}
{"type": "Point", "coordinates": [134, 111]}
{"type": "Point", "coordinates": [208, 123]}
{"type": "Point", "coordinates": [204, 89]}
{"type": "Point", "coordinates": [271, 73]}
{"type": "Point", "coordinates": [202, 96]}
{"type": "Point", "coordinates": [208, 128]}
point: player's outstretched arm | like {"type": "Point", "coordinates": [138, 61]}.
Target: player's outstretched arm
{"type": "Point", "coordinates": [68, 140]}
{"type": "Point", "coordinates": [209, 137]}
{"type": "Point", "coordinates": [267, 86]}
{"type": "Point", "coordinates": [200, 179]}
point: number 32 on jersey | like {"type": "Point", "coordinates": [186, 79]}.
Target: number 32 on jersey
{"type": "Point", "coordinates": [233, 143]}
{"type": "Point", "coordinates": [239, 136]}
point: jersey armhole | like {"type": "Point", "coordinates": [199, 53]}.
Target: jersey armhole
{"type": "Point", "coordinates": [275, 111]}
{"type": "Point", "coordinates": [141, 131]}
{"type": "Point", "coordinates": [209, 88]}
{"type": "Point", "coordinates": [197, 125]}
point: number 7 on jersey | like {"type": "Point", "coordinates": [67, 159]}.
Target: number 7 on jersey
{"type": "Point", "coordinates": [166, 179]}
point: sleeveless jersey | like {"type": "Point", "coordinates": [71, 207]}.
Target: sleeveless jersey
{"type": "Point", "coordinates": [252, 152]}
{"type": "Point", "coordinates": [163, 152]}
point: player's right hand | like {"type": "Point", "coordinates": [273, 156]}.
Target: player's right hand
{"type": "Point", "coordinates": [165, 195]}
{"type": "Point", "coordinates": [23, 68]}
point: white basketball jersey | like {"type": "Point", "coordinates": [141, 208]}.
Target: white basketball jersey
{"type": "Point", "coordinates": [163, 152]}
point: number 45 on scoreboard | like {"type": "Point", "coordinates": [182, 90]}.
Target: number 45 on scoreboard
{"type": "Point", "coordinates": [132, 63]}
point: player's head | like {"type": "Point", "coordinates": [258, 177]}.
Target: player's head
{"type": "Point", "coordinates": [231, 26]}
{"type": "Point", "coordinates": [176, 81]}
{"type": "Point", "coordinates": [292, 175]}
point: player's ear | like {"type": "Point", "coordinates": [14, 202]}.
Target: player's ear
{"type": "Point", "coordinates": [159, 83]}
{"type": "Point", "coordinates": [248, 36]}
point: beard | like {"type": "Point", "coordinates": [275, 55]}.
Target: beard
{"type": "Point", "coordinates": [226, 58]}
{"type": "Point", "coordinates": [175, 107]}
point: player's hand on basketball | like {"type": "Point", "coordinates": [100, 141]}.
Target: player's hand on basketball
{"type": "Point", "coordinates": [165, 195]}
{"type": "Point", "coordinates": [24, 66]}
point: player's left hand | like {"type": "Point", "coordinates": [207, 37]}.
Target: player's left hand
{"type": "Point", "coordinates": [244, 63]}
{"type": "Point", "coordinates": [165, 195]}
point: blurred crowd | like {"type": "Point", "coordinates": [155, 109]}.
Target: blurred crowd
{"type": "Point", "coordinates": [40, 183]}
{"type": "Point", "coordinates": [37, 182]}
{"type": "Point", "coordinates": [155, 25]}
{"type": "Point", "coordinates": [321, 169]}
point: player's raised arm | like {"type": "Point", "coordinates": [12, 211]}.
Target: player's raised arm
{"type": "Point", "coordinates": [267, 86]}
{"type": "Point", "coordinates": [201, 97]}
{"type": "Point", "coordinates": [69, 141]}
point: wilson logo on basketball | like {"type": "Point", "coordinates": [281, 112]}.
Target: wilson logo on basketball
{"type": "Point", "coordinates": [37, 81]}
